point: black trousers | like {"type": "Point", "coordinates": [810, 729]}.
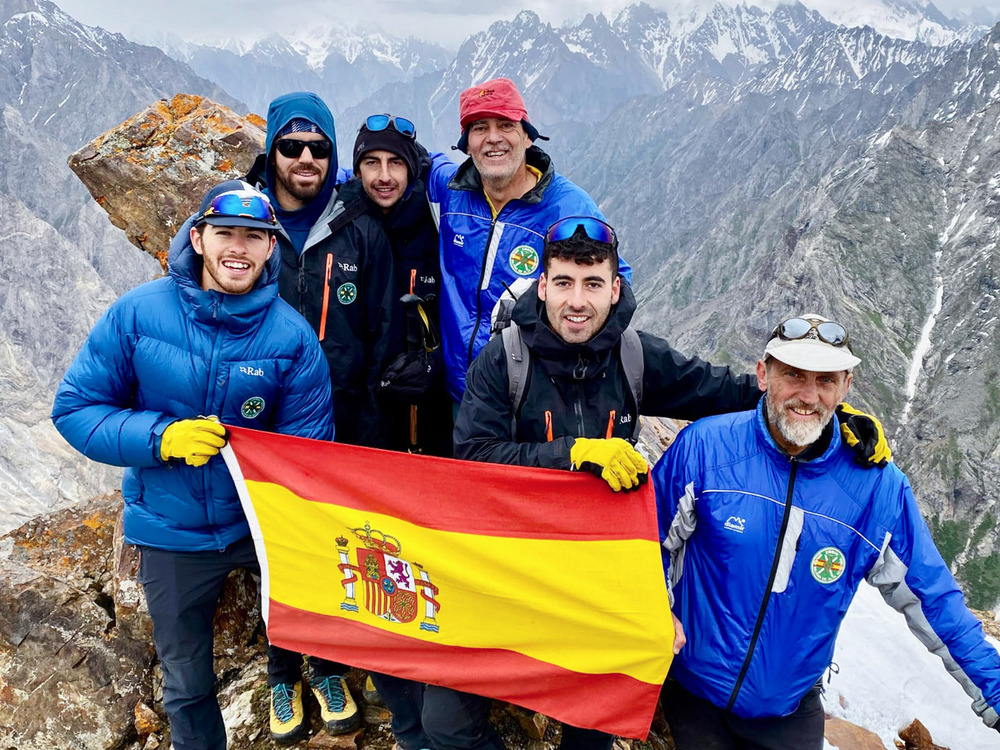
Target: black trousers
{"type": "Point", "coordinates": [182, 590]}
{"type": "Point", "coordinates": [697, 724]}
{"type": "Point", "coordinates": [439, 718]}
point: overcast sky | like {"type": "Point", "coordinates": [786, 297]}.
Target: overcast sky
{"type": "Point", "coordinates": [446, 22]}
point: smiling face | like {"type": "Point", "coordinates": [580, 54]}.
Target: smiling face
{"type": "Point", "coordinates": [799, 403]}
{"type": "Point", "coordinates": [301, 179]}
{"type": "Point", "coordinates": [578, 297]}
{"type": "Point", "coordinates": [384, 177]}
{"type": "Point", "coordinates": [497, 147]}
{"type": "Point", "coordinates": [234, 257]}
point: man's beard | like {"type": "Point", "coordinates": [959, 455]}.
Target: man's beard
{"type": "Point", "coordinates": [793, 431]}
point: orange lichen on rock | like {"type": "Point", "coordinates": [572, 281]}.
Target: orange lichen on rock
{"type": "Point", "coordinates": [150, 172]}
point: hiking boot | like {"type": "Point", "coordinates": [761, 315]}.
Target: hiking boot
{"type": "Point", "coordinates": [336, 706]}
{"type": "Point", "coordinates": [287, 717]}
{"type": "Point", "coordinates": [370, 693]}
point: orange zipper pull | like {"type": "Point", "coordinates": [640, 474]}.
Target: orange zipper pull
{"type": "Point", "coordinates": [611, 423]}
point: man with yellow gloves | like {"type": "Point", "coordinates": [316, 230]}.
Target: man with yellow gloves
{"type": "Point", "coordinates": [211, 338]}
{"type": "Point", "coordinates": [563, 386]}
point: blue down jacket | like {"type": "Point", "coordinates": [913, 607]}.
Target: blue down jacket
{"type": "Point", "coordinates": [169, 350]}
{"type": "Point", "coordinates": [735, 511]}
{"type": "Point", "coordinates": [480, 254]}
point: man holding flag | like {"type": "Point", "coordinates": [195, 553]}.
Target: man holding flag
{"type": "Point", "coordinates": [210, 338]}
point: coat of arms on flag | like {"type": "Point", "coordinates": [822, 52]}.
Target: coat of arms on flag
{"type": "Point", "coordinates": [394, 588]}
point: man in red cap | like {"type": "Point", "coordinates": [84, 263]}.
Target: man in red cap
{"type": "Point", "coordinates": [494, 210]}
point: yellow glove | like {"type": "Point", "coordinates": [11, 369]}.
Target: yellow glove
{"type": "Point", "coordinates": [864, 434]}
{"type": "Point", "coordinates": [194, 440]}
{"type": "Point", "coordinates": [614, 460]}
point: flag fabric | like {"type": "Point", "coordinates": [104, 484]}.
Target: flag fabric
{"type": "Point", "coordinates": [538, 587]}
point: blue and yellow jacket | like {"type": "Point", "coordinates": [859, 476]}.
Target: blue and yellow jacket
{"type": "Point", "coordinates": [169, 350]}
{"type": "Point", "coordinates": [480, 253]}
{"type": "Point", "coordinates": [764, 552]}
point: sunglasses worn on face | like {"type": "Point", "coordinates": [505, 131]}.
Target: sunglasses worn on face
{"type": "Point", "coordinates": [800, 328]}
{"type": "Point", "coordinates": [291, 148]}
{"type": "Point", "coordinates": [400, 124]}
{"type": "Point", "coordinates": [595, 229]}
{"type": "Point", "coordinates": [242, 204]}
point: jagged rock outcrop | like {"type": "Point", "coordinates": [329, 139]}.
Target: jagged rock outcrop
{"type": "Point", "coordinates": [844, 735]}
{"type": "Point", "coordinates": [916, 737]}
{"type": "Point", "coordinates": [150, 172]}
{"type": "Point", "coordinates": [68, 676]}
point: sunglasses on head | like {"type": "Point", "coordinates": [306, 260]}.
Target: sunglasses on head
{"type": "Point", "coordinates": [800, 328]}
{"type": "Point", "coordinates": [291, 148]}
{"type": "Point", "coordinates": [595, 229]}
{"type": "Point", "coordinates": [400, 124]}
{"type": "Point", "coordinates": [240, 203]}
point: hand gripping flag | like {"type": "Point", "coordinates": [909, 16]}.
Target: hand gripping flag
{"type": "Point", "coordinates": [538, 587]}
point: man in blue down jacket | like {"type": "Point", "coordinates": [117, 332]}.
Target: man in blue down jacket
{"type": "Point", "coordinates": [493, 212]}
{"type": "Point", "coordinates": [211, 338]}
{"type": "Point", "coordinates": [768, 528]}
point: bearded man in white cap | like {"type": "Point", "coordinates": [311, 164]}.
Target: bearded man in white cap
{"type": "Point", "coordinates": [768, 528]}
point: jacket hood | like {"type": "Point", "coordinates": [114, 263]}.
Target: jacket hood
{"type": "Point", "coordinates": [308, 106]}
{"type": "Point", "coordinates": [468, 178]}
{"type": "Point", "coordinates": [576, 361]}
{"type": "Point", "coordinates": [235, 311]}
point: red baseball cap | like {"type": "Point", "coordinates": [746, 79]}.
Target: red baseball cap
{"type": "Point", "coordinates": [496, 98]}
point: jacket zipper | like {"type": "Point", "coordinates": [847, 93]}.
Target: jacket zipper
{"type": "Point", "coordinates": [611, 425]}
{"type": "Point", "coordinates": [770, 583]}
{"type": "Point", "coordinates": [210, 408]}
{"type": "Point", "coordinates": [326, 297]}
{"type": "Point", "coordinates": [479, 290]}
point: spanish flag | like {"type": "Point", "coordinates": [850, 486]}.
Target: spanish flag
{"type": "Point", "coordinates": [538, 587]}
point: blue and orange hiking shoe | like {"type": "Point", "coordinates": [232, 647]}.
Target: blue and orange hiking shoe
{"type": "Point", "coordinates": [287, 717]}
{"type": "Point", "coordinates": [337, 708]}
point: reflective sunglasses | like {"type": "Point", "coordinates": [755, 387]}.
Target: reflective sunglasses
{"type": "Point", "coordinates": [240, 203]}
{"type": "Point", "coordinates": [400, 124]}
{"type": "Point", "coordinates": [800, 328]}
{"type": "Point", "coordinates": [595, 229]}
{"type": "Point", "coordinates": [291, 148]}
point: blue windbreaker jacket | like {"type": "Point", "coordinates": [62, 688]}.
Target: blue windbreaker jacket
{"type": "Point", "coordinates": [735, 509]}
{"type": "Point", "coordinates": [169, 350]}
{"type": "Point", "coordinates": [480, 254]}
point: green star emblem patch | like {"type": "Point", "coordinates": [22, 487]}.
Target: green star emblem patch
{"type": "Point", "coordinates": [524, 260]}
{"type": "Point", "coordinates": [828, 565]}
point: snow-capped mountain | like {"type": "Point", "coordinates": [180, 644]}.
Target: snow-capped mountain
{"type": "Point", "coordinates": [61, 84]}
{"type": "Point", "coordinates": [340, 65]}
{"type": "Point", "coordinates": [913, 20]}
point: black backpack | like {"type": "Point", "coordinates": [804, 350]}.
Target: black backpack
{"type": "Point", "coordinates": [518, 358]}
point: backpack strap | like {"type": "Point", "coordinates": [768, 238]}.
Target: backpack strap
{"type": "Point", "coordinates": [630, 353]}
{"type": "Point", "coordinates": [517, 369]}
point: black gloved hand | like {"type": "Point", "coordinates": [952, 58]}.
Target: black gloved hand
{"type": "Point", "coordinates": [864, 434]}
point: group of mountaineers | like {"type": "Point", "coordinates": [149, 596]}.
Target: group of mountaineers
{"type": "Point", "coordinates": [361, 306]}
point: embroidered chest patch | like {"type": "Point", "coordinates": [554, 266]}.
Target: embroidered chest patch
{"type": "Point", "coordinates": [828, 565]}
{"type": "Point", "coordinates": [347, 293]}
{"type": "Point", "coordinates": [523, 260]}
{"type": "Point", "coordinates": [252, 407]}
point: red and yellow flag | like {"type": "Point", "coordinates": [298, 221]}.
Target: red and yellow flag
{"type": "Point", "coordinates": [542, 588]}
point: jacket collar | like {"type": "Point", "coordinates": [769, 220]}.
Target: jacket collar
{"type": "Point", "coordinates": [468, 178]}
{"type": "Point", "coordinates": [236, 312]}
{"type": "Point", "coordinates": [808, 456]}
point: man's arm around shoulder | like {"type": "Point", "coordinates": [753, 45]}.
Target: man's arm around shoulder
{"type": "Point", "coordinates": [688, 387]}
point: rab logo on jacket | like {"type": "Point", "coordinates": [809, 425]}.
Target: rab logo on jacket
{"type": "Point", "coordinates": [459, 240]}
{"type": "Point", "coordinates": [256, 371]}
{"type": "Point", "coordinates": [394, 588]}
{"type": "Point", "coordinates": [737, 524]}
